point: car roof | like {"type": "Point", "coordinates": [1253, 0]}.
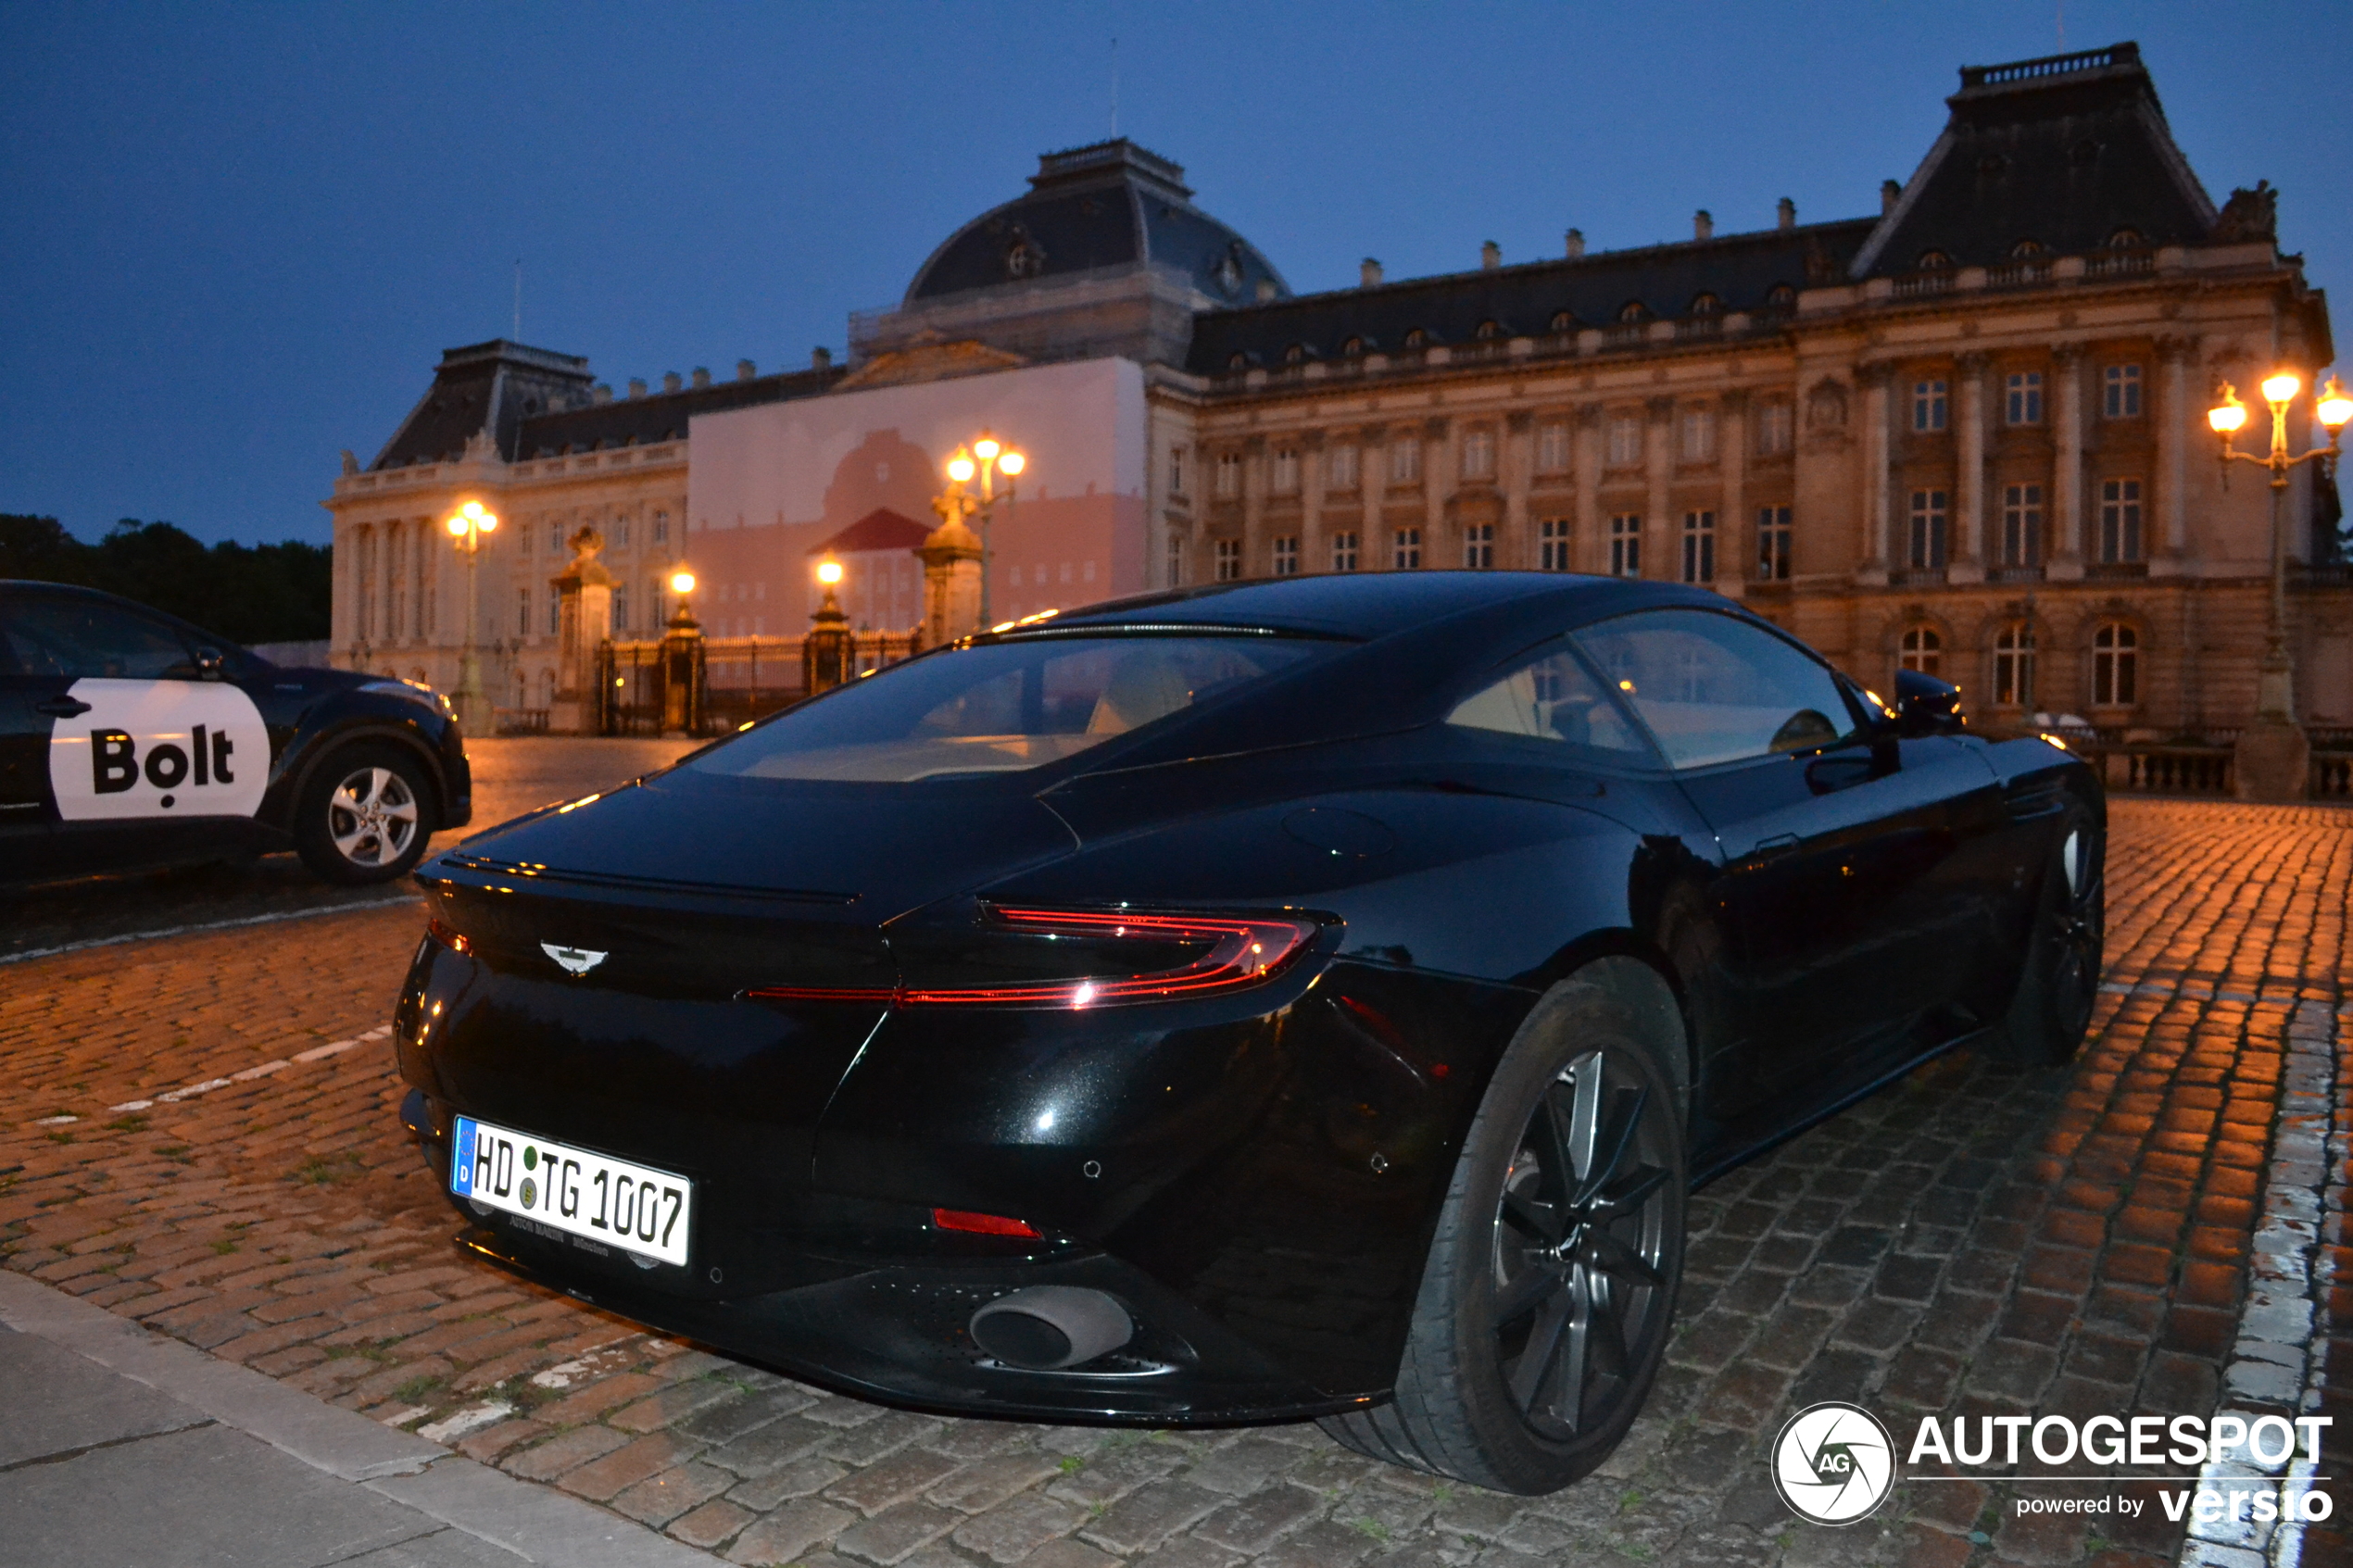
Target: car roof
{"type": "Point", "coordinates": [1372, 604]}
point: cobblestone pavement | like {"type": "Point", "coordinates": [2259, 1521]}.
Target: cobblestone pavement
{"type": "Point", "coordinates": [1972, 1241]}
{"type": "Point", "coordinates": [513, 774]}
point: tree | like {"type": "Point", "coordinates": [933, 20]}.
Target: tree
{"type": "Point", "coordinates": [249, 594]}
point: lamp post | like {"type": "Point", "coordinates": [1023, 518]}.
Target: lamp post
{"type": "Point", "coordinates": [467, 525]}
{"type": "Point", "coordinates": [2274, 753]}
{"type": "Point", "coordinates": [681, 661]}
{"type": "Point", "coordinates": [984, 459]}
{"type": "Point", "coordinates": [825, 651]}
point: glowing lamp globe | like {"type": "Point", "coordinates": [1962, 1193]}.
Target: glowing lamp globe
{"type": "Point", "coordinates": [986, 448]}
{"type": "Point", "coordinates": [1011, 463]}
{"type": "Point", "coordinates": [457, 527]}
{"type": "Point", "coordinates": [829, 573]}
{"type": "Point", "coordinates": [960, 469]}
{"type": "Point", "coordinates": [682, 582]}
{"type": "Point", "coordinates": [2335, 406]}
{"type": "Point", "coordinates": [2281, 388]}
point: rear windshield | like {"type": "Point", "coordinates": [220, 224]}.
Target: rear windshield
{"type": "Point", "coordinates": [1000, 708]}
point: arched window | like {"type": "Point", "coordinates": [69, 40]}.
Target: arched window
{"type": "Point", "coordinates": [1295, 355]}
{"type": "Point", "coordinates": [1632, 311]}
{"type": "Point", "coordinates": [1354, 348]}
{"type": "Point", "coordinates": [1935, 261]}
{"type": "Point", "coordinates": [1564, 321]}
{"type": "Point", "coordinates": [1418, 338]}
{"type": "Point", "coordinates": [2126, 239]}
{"type": "Point", "coordinates": [2014, 665]}
{"type": "Point", "coordinates": [1490, 329]}
{"type": "Point", "coordinates": [2026, 250]}
{"type": "Point", "coordinates": [1238, 360]}
{"type": "Point", "coordinates": [1922, 649]}
{"type": "Point", "coordinates": [1706, 305]}
{"type": "Point", "coordinates": [2116, 665]}
{"type": "Point", "coordinates": [1781, 296]}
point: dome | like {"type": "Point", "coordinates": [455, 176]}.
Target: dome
{"type": "Point", "coordinates": [1110, 205]}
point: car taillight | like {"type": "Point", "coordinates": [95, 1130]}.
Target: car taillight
{"type": "Point", "coordinates": [1211, 954]}
{"type": "Point", "coordinates": [447, 936]}
{"type": "Point", "coordinates": [980, 1225]}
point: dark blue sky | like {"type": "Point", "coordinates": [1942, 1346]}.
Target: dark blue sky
{"type": "Point", "coordinates": [234, 239]}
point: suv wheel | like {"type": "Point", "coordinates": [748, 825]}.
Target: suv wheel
{"type": "Point", "coordinates": [364, 816]}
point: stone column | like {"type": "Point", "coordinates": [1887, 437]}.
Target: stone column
{"type": "Point", "coordinates": [1877, 448]}
{"type": "Point", "coordinates": [1515, 467]}
{"type": "Point", "coordinates": [1255, 481]}
{"type": "Point", "coordinates": [1969, 479]}
{"type": "Point", "coordinates": [583, 623]}
{"type": "Point", "coordinates": [2176, 416]}
{"type": "Point", "coordinates": [1311, 504]}
{"type": "Point", "coordinates": [2067, 461]}
{"type": "Point", "coordinates": [1441, 473]}
{"type": "Point", "coordinates": [1735, 539]}
{"type": "Point", "coordinates": [1659, 559]}
{"type": "Point", "coordinates": [1585, 435]}
{"type": "Point", "coordinates": [951, 573]}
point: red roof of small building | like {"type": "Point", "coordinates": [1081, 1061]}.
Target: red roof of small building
{"type": "Point", "coordinates": [881, 529]}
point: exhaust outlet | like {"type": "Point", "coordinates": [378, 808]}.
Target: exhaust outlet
{"type": "Point", "coordinates": [1047, 1328]}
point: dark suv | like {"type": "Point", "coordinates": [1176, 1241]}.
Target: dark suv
{"type": "Point", "coordinates": [130, 739]}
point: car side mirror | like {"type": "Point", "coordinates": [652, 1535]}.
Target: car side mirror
{"type": "Point", "coordinates": [1926, 705]}
{"type": "Point", "coordinates": [209, 663]}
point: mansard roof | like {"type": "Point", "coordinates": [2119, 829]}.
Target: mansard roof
{"type": "Point", "coordinates": [2071, 152]}
{"type": "Point", "coordinates": [1109, 205]}
{"type": "Point", "coordinates": [660, 416]}
{"type": "Point", "coordinates": [1734, 271]}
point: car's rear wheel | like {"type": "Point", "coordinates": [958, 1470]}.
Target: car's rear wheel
{"type": "Point", "coordinates": [365, 815]}
{"type": "Point", "coordinates": [1545, 1305]}
{"type": "Point", "coordinates": [2051, 1010]}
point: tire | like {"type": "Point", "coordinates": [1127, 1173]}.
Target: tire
{"type": "Point", "coordinates": [1538, 1255]}
{"type": "Point", "coordinates": [2051, 1010]}
{"type": "Point", "coordinates": [365, 815]}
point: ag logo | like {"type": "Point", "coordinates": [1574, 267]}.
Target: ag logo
{"type": "Point", "coordinates": [1834, 1463]}
{"type": "Point", "coordinates": [573, 960]}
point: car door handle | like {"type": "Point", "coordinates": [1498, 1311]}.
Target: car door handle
{"type": "Point", "coordinates": [1771, 848]}
{"type": "Point", "coordinates": [62, 707]}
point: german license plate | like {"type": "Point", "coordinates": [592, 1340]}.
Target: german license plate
{"type": "Point", "coordinates": [634, 1207]}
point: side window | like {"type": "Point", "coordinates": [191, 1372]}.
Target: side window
{"type": "Point", "coordinates": [1551, 698]}
{"type": "Point", "coordinates": [1714, 689]}
{"type": "Point", "coordinates": [77, 638]}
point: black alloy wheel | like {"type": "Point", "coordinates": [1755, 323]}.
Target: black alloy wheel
{"type": "Point", "coordinates": [365, 815]}
{"type": "Point", "coordinates": [2051, 1010]}
{"type": "Point", "coordinates": [1546, 1303]}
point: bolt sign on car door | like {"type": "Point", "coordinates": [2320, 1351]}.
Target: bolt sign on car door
{"type": "Point", "coordinates": [1309, 998]}
{"type": "Point", "coordinates": [145, 747]}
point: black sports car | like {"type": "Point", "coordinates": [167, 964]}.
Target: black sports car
{"type": "Point", "coordinates": [130, 739]}
{"type": "Point", "coordinates": [1312, 997]}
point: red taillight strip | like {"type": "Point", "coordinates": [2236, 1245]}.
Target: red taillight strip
{"type": "Point", "coordinates": [980, 1225]}
{"type": "Point", "coordinates": [1243, 951]}
{"type": "Point", "coordinates": [447, 936]}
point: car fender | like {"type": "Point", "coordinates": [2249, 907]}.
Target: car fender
{"type": "Point", "coordinates": [311, 750]}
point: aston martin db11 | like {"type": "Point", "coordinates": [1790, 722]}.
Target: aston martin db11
{"type": "Point", "coordinates": [1301, 998]}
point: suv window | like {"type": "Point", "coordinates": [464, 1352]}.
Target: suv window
{"type": "Point", "coordinates": [1552, 697]}
{"type": "Point", "coordinates": [68, 635]}
{"type": "Point", "coordinates": [1713, 689]}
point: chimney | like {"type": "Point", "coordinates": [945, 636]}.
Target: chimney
{"type": "Point", "coordinates": [1703, 225]}
{"type": "Point", "coordinates": [1265, 290]}
{"type": "Point", "coordinates": [669, 382]}
{"type": "Point", "coordinates": [1368, 273]}
{"type": "Point", "coordinates": [1490, 257]}
{"type": "Point", "coordinates": [1576, 244]}
{"type": "Point", "coordinates": [1788, 214]}
{"type": "Point", "coordinates": [636, 387]}
{"type": "Point", "coordinates": [746, 370]}
{"type": "Point", "coordinates": [821, 359]}
{"type": "Point", "coordinates": [601, 391]}
{"type": "Point", "coordinates": [701, 377]}
{"type": "Point", "coordinates": [1888, 192]}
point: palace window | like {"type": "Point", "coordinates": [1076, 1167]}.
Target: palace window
{"type": "Point", "coordinates": [2120, 520]}
{"type": "Point", "coordinates": [661, 528]}
{"type": "Point", "coordinates": [1287, 555]}
{"type": "Point", "coordinates": [1489, 331]}
{"type": "Point", "coordinates": [555, 614]}
{"type": "Point", "coordinates": [1552, 447]}
{"type": "Point", "coordinates": [1626, 545]}
{"type": "Point", "coordinates": [1781, 297]}
{"type": "Point", "coordinates": [555, 541]}
{"type": "Point", "coordinates": [1478, 546]}
{"type": "Point", "coordinates": [1935, 261]}
{"type": "Point", "coordinates": [1230, 561]}
{"type": "Point", "coordinates": [1176, 471]}
{"type": "Point", "coordinates": [1353, 348]}
{"type": "Point", "coordinates": [1296, 354]}
{"type": "Point", "coordinates": [1706, 305]}
{"type": "Point", "coordinates": [621, 606]}
{"type": "Point", "coordinates": [1340, 467]}
{"type": "Point", "coordinates": [1552, 544]}
{"type": "Point", "coordinates": [1229, 475]}
{"type": "Point", "coordinates": [1479, 453]}
{"type": "Point", "coordinates": [1697, 436]}
{"type": "Point", "coordinates": [2022, 403]}
{"type": "Point", "coordinates": [1928, 405]}
{"type": "Point", "coordinates": [522, 612]}
{"type": "Point", "coordinates": [1405, 549]}
{"type": "Point", "coordinates": [1772, 544]}
{"type": "Point", "coordinates": [620, 534]}
{"type": "Point", "coordinates": [1564, 321]}
{"type": "Point", "coordinates": [1416, 338]}
{"type": "Point", "coordinates": [1344, 551]}
{"type": "Point", "coordinates": [1625, 441]}
{"type": "Point", "coordinates": [1921, 649]}
{"type": "Point", "coordinates": [1175, 561]}
{"type": "Point", "coordinates": [1699, 547]}
{"type": "Point", "coordinates": [1775, 423]}
{"type": "Point", "coordinates": [2014, 665]}
{"type": "Point", "coordinates": [1405, 461]}
{"type": "Point", "coordinates": [1925, 548]}
{"type": "Point", "coordinates": [1286, 471]}
{"type": "Point", "coordinates": [1632, 312]}
{"type": "Point", "coordinates": [2021, 542]}
{"type": "Point", "coordinates": [2121, 392]}
{"type": "Point", "coordinates": [2115, 661]}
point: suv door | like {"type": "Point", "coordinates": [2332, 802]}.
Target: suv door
{"type": "Point", "coordinates": [146, 756]}
{"type": "Point", "coordinates": [1844, 879]}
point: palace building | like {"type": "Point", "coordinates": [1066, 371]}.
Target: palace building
{"type": "Point", "coordinates": [1965, 433]}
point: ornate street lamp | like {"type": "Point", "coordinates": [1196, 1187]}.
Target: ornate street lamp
{"type": "Point", "coordinates": [682, 662]}
{"type": "Point", "coordinates": [984, 459]}
{"type": "Point", "coordinates": [825, 661]}
{"type": "Point", "coordinates": [467, 525]}
{"type": "Point", "coordinates": [2274, 751]}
